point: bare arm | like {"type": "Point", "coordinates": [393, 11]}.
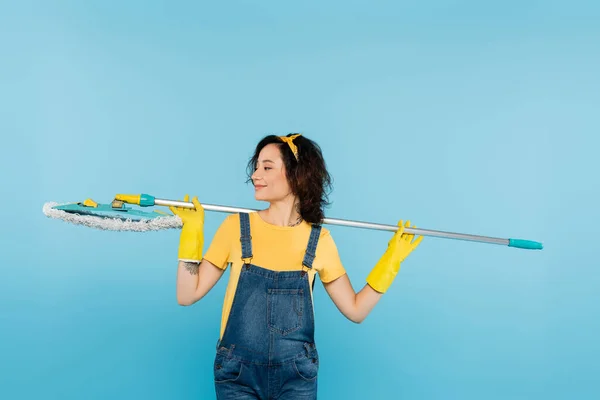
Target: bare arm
{"type": "Point", "coordinates": [354, 306]}
{"type": "Point", "coordinates": [194, 280]}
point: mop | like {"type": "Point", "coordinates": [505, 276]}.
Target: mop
{"type": "Point", "coordinates": [117, 216]}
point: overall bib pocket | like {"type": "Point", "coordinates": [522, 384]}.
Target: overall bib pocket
{"type": "Point", "coordinates": [284, 310]}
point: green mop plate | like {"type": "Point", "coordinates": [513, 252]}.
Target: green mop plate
{"type": "Point", "coordinates": [109, 211]}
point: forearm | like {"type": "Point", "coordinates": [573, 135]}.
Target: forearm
{"type": "Point", "coordinates": [354, 306]}
{"type": "Point", "coordinates": [187, 282]}
{"type": "Point", "coordinates": [364, 302]}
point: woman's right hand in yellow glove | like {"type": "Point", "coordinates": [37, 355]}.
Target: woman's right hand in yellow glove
{"type": "Point", "coordinates": [191, 241]}
{"type": "Point", "coordinates": [399, 247]}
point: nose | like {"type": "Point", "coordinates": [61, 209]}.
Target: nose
{"type": "Point", "coordinates": [254, 177]}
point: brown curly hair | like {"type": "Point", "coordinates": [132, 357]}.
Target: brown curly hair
{"type": "Point", "coordinates": [308, 177]}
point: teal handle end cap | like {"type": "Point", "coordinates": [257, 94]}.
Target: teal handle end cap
{"type": "Point", "coordinates": [146, 200]}
{"type": "Point", "coordinates": [525, 244]}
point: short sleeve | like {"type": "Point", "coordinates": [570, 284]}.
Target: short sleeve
{"type": "Point", "coordinates": [329, 265]}
{"type": "Point", "coordinates": [219, 250]}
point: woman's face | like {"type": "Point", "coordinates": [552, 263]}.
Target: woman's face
{"type": "Point", "coordinates": [270, 182]}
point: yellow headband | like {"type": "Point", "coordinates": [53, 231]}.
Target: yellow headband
{"type": "Point", "coordinates": [290, 141]}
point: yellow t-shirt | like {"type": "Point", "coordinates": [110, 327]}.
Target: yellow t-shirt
{"type": "Point", "coordinates": [277, 248]}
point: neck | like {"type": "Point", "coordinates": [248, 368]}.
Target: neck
{"type": "Point", "coordinates": [283, 212]}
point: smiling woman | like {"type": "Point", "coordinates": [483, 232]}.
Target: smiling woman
{"type": "Point", "coordinates": [267, 324]}
{"type": "Point", "coordinates": [281, 174]}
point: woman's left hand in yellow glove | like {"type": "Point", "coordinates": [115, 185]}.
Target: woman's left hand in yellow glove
{"type": "Point", "coordinates": [191, 241]}
{"type": "Point", "coordinates": [399, 247]}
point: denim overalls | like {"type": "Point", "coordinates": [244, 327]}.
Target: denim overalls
{"type": "Point", "coordinates": [268, 349]}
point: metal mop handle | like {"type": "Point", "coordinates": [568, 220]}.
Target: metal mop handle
{"type": "Point", "coordinates": [145, 200]}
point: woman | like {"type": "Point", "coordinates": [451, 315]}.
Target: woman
{"type": "Point", "coordinates": [266, 348]}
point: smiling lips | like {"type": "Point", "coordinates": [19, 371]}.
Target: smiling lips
{"type": "Point", "coordinates": [257, 187]}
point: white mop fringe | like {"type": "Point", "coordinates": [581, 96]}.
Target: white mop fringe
{"type": "Point", "coordinates": [113, 224]}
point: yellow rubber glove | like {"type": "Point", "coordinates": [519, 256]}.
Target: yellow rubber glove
{"type": "Point", "coordinates": [386, 269]}
{"type": "Point", "coordinates": [191, 240]}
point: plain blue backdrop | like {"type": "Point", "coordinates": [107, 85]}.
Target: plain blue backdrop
{"type": "Point", "coordinates": [464, 116]}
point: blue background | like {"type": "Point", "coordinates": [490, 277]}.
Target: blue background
{"type": "Point", "coordinates": [458, 115]}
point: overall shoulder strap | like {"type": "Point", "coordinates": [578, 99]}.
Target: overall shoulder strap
{"type": "Point", "coordinates": [311, 248]}
{"type": "Point", "coordinates": [245, 237]}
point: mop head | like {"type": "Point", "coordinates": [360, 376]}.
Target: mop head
{"type": "Point", "coordinates": [113, 217]}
